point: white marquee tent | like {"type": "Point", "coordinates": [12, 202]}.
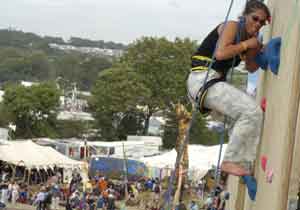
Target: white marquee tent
{"type": "Point", "coordinates": [201, 159]}
{"type": "Point", "coordinates": [32, 155]}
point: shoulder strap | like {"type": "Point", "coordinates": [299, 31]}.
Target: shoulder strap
{"type": "Point", "coordinates": [241, 24]}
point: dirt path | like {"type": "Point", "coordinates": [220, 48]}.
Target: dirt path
{"type": "Point", "coordinates": [20, 207]}
{"type": "Point", "coordinates": [29, 207]}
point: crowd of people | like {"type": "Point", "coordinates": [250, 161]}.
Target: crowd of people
{"type": "Point", "coordinates": [100, 192]}
{"type": "Point", "coordinates": [44, 196]}
{"type": "Point", "coordinates": [216, 200]}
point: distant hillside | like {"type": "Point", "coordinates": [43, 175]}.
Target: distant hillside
{"type": "Point", "coordinates": [14, 38]}
{"type": "Point", "coordinates": [79, 42]}
{"type": "Point", "coordinates": [30, 57]}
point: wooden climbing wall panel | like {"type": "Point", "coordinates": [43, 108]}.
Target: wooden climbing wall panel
{"type": "Point", "coordinates": [294, 181]}
{"type": "Point", "coordinates": [280, 137]}
{"type": "Point", "coordinates": [237, 193]}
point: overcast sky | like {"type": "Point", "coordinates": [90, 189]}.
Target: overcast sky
{"type": "Point", "coordinates": [116, 20]}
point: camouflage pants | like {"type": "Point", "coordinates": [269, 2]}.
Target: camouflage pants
{"type": "Point", "coordinates": [246, 116]}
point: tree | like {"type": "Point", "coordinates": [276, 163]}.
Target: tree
{"type": "Point", "coordinates": [16, 65]}
{"type": "Point", "coordinates": [80, 69]}
{"type": "Point", "coordinates": [130, 124]}
{"type": "Point", "coordinates": [70, 128]}
{"type": "Point", "coordinates": [68, 66]}
{"type": "Point", "coordinates": [91, 67]}
{"type": "Point", "coordinates": [163, 65]}
{"type": "Point", "coordinates": [38, 66]}
{"type": "Point", "coordinates": [119, 97]}
{"type": "Point", "coordinates": [4, 116]}
{"type": "Point", "coordinates": [32, 109]}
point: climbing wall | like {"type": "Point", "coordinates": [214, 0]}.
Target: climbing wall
{"type": "Point", "coordinates": [280, 141]}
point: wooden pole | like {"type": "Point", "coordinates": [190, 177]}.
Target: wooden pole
{"type": "Point", "coordinates": [294, 182]}
{"type": "Point", "coordinates": [179, 186]}
{"type": "Point", "coordinates": [241, 192]}
{"type": "Point", "coordinates": [183, 118]}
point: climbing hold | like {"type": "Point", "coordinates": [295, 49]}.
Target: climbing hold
{"type": "Point", "coordinates": [272, 50]}
{"type": "Point", "coordinates": [251, 184]}
{"type": "Point", "coordinates": [270, 55]}
{"type": "Point", "coordinates": [269, 176]}
{"type": "Point", "coordinates": [263, 104]}
{"type": "Point", "coordinates": [263, 161]}
{"type": "Point", "coordinates": [261, 60]}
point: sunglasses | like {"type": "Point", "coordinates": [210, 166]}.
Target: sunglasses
{"type": "Point", "coordinates": [257, 19]}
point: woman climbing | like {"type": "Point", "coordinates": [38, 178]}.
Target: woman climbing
{"type": "Point", "coordinates": [238, 40]}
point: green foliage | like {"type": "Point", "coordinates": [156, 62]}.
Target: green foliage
{"type": "Point", "coordinates": [199, 133]}
{"type": "Point", "coordinates": [150, 77]}
{"type": "Point", "coordinates": [116, 95]}
{"type": "Point", "coordinates": [32, 109]}
{"type": "Point", "coordinates": [160, 66]}
{"type": "Point", "coordinates": [4, 121]}
{"type": "Point", "coordinates": [122, 88]}
{"type": "Point", "coordinates": [130, 124]}
{"type": "Point", "coordinates": [27, 56]}
{"type": "Point", "coordinates": [79, 69]}
{"type": "Point", "coordinates": [170, 130]}
{"type": "Point", "coordinates": [164, 66]}
{"type": "Point", "coordinates": [16, 65]}
{"type": "Point", "coordinates": [18, 38]}
{"type": "Point", "coordinates": [70, 129]}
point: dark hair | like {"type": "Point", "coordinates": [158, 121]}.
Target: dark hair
{"type": "Point", "coordinates": [253, 5]}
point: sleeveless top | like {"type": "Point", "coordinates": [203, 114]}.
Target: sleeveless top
{"type": "Point", "coordinates": [207, 48]}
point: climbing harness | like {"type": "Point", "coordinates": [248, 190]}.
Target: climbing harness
{"type": "Point", "coordinates": [203, 93]}
{"type": "Point", "coordinates": [201, 63]}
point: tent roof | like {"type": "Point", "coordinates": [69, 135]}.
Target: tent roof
{"type": "Point", "coordinates": [32, 155]}
{"type": "Point", "coordinates": [201, 158]}
{"type": "Point", "coordinates": [78, 142]}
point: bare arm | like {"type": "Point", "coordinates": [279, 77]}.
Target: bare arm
{"type": "Point", "coordinates": [250, 54]}
{"type": "Point", "coordinates": [227, 48]}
